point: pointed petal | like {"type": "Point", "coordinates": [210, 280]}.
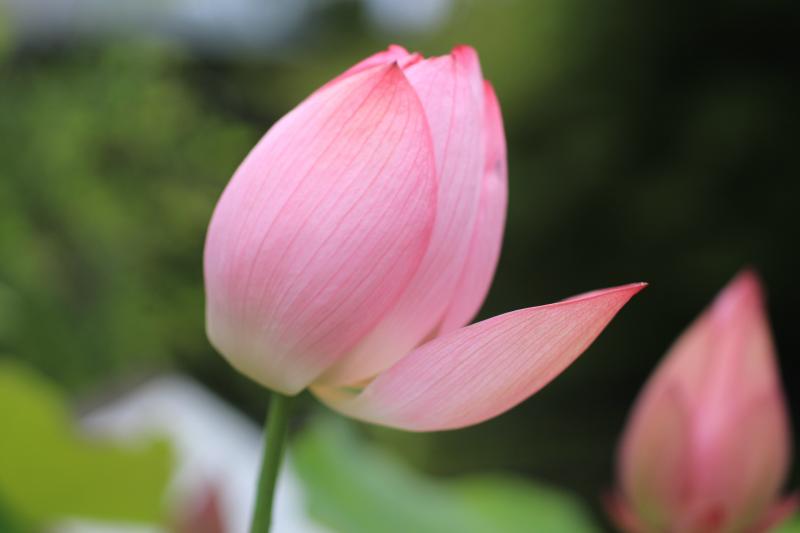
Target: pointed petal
{"type": "Point", "coordinates": [478, 372]}
{"type": "Point", "coordinates": [487, 236]}
{"type": "Point", "coordinates": [394, 54]}
{"type": "Point", "coordinates": [320, 229]}
{"type": "Point", "coordinates": [451, 90]}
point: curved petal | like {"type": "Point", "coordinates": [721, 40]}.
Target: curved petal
{"type": "Point", "coordinates": [480, 371]}
{"type": "Point", "coordinates": [487, 237]}
{"type": "Point", "coordinates": [451, 91]}
{"type": "Point", "coordinates": [655, 458]}
{"type": "Point", "coordinates": [313, 241]}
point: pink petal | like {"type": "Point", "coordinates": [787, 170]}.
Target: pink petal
{"type": "Point", "coordinates": [480, 371]}
{"type": "Point", "coordinates": [320, 229]}
{"type": "Point", "coordinates": [655, 458]}
{"type": "Point", "coordinates": [451, 90]}
{"type": "Point", "coordinates": [487, 237]}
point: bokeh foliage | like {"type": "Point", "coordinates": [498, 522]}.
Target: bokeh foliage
{"type": "Point", "coordinates": [48, 472]}
{"type": "Point", "coordinates": [384, 495]}
{"type": "Point", "coordinates": [111, 166]}
{"type": "Point", "coordinates": [648, 141]}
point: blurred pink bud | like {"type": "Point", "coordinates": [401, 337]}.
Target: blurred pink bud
{"type": "Point", "coordinates": [369, 220]}
{"type": "Point", "coordinates": [707, 445]}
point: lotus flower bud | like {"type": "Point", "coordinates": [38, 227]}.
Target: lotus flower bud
{"type": "Point", "coordinates": [706, 448]}
{"type": "Point", "coordinates": [368, 221]}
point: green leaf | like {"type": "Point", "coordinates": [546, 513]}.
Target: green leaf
{"type": "Point", "coordinates": [48, 471]}
{"type": "Point", "coordinates": [517, 505]}
{"type": "Point", "coordinates": [9, 522]}
{"type": "Point", "coordinates": [353, 487]}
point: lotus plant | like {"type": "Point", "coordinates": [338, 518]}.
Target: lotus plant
{"type": "Point", "coordinates": [707, 445]}
{"type": "Point", "coordinates": [361, 235]}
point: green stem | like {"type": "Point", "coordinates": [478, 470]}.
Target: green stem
{"type": "Point", "coordinates": [274, 441]}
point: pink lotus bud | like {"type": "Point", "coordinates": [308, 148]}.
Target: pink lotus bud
{"type": "Point", "coordinates": [369, 220]}
{"type": "Point", "coordinates": [707, 445]}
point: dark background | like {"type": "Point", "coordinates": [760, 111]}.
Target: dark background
{"type": "Point", "coordinates": [652, 141]}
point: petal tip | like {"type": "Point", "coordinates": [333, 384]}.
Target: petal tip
{"type": "Point", "coordinates": [397, 49]}
{"type": "Point", "coordinates": [467, 56]}
{"type": "Point", "coordinates": [744, 292]}
{"type": "Point", "coordinates": [629, 290]}
{"type": "Point", "coordinates": [747, 281]}
{"type": "Point", "coordinates": [465, 52]}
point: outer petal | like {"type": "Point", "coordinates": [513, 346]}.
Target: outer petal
{"type": "Point", "coordinates": [488, 234]}
{"type": "Point", "coordinates": [478, 372]}
{"type": "Point", "coordinates": [320, 229]}
{"type": "Point", "coordinates": [451, 90]}
{"type": "Point", "coordinates": [655, 459]}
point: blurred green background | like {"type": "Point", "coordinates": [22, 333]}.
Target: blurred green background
{"type": "Point", "coordinates": [651, 141]}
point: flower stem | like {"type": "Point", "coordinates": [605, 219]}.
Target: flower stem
{"type": "Point", "coordinates": [274, 443]}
